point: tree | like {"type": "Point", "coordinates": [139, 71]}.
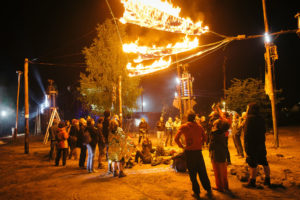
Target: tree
{"type": "Point", "coordinates": [249, 90]}
{"type": "Point", "coordinates": [105, 61]}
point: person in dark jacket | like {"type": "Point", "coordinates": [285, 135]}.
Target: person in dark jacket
{"type": "Point", "coordinates": [53, 136]}
{"type": "Point", "coordinates": [217, 152]}
{"type": "Point", "coordinates": [194, 139]}
{"type": "Point", "coordinates": [101, 142]}
{"type": "Point", "coordinates": [82, 157]}
{"type": "Point", "coordinates": [74, 132]}
{"type": "Point", "coordinates": [90, 140]}
{"type": "Point", "coordinates": [62, 145]}
{"type": "Point", "coordinates": [143, 129]}
{"type": "Point", "coordinates": [254, 143]}
{"type": "Point", "coordinates": [160, 125]}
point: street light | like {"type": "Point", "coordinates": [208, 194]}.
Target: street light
{"type": "Point", "coordinates": [224, 105]}
{"type": "Point", "coordinates": [267, 38]}
{"type": "Point", "coordinates": [3, 113]}
{"type": "Point", "coordinates": [177, 80]}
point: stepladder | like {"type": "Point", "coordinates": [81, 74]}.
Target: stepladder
{"type": "Point", "coordinates": [54, 115]}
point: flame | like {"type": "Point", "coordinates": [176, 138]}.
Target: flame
{"type": "Point", "coordinates": [160, 15]}
{"type": "Point", "coordinates": [146, 52]}
{"type": "Point", "coordinates": [140, 69]}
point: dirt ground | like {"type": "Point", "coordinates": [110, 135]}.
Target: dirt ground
{"type": "Point", "coordinates": [34, 177]}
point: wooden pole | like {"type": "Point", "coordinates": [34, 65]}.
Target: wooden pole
{"type": "Point", "coordinates": [26, 142]}
{"type": "Point", "coordinates": [179, 90]}
{"type": "Point", "coordinates": [269, 78]}
{"type": "Point", "coordinates": [120, 99]}
{"type": "Point", "coordinates": [17, 109]}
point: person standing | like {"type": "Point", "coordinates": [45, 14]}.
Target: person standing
{"type": "Point", "coordinates": [90, 140]}
{"type": "Point", "coordinates": [254, 142]}
{"type": "Point", "coordinates": [62, 146]}
{"type": "Point", "coordinates": [101, 142]}
{"type": "Point", "coordinates": [82, 157]}
{"type": "Point", "coordinates": [105, 131]}
{"type": "Point", "coordinates": [117, 140]}
{"type": "Point", "coordinates": [169, 131]}
{"type": "Point", "coordinates": [160, 125]}
{"type": "Point", "coordinates": [194, 139]}
{"type": "Point", "coordinates": [176, 126]}
{"type": "Point", "coordinates": [217, 152]}
{"type": "Point", "coordinates": [236, 135]}
{"type": "Point", "coordinates": [53, 138]}
{"type": "Point", "coordinates": [74, 131]}
{"type": "Point", "coordinates": [143, 129]}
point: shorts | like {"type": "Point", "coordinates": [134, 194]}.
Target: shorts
{"type": "Point", "coordinates": [254, 161]}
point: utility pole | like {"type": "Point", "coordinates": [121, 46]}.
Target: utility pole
{"type": "Point", "coordinates": [26, 144]}
{"type": "Point", "coordinates": [269, 78]}
{"type": "Point", "coordinates": [142, 100]}
{"type": "Point", "coordinates": [120, 99]}
{"type": "Point", "coordinates": [17, 109]}
{"type": "Point", "coordinates": [179, 90]}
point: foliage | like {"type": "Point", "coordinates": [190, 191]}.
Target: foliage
{"type": "Point", "coordinates": [105, 61]}
{"type": "Point", "coordinates": [245, 91]}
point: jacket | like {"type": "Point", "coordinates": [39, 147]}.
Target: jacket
{"type": "Point", "coordinates": [217, 146]}
{"type": "Point", "coordinates": [53, 131]}
{"type": "Point", "coordinates": [93, 133]}
{"type": "Point", "coordinates": [254, 136]}
{"type": "Point", "coordinates": [62, 137]}
{"type": "Point", "coordinates": [143, 127]}
{"type": "Point", "coordinates": [160, 126]}
{"type": "Point", "coordinates": [194, 136]}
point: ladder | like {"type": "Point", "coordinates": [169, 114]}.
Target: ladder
{"type": "Point", "coordinates": [54, 115]}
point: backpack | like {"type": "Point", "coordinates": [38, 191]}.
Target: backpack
{"type": "Point", "coordinates": [86, 137]}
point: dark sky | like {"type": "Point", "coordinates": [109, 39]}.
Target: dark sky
{"type": "Point", "coordinates": [57, 30]}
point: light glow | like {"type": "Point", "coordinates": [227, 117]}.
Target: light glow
{"type": "Point", "coordinates": [3, 113]}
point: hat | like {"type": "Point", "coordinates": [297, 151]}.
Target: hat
{"type": "Point", "coordinates": [61, 124]}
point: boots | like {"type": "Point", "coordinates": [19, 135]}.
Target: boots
{"type": "Point", "coordinates": [251, 183]}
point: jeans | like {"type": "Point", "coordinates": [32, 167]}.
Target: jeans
{"type": "Point", "coordinates": [90, 160]}
{"type": "Point", "coordinates": [196, 165]}
{"type": "Point", "coordinates": [238, 144]}
{"type": "Point", "coordinates": [82, 156]}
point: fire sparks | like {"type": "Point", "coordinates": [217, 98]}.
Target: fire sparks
{"type": "Point", "coordinates": [146, 53]}
{"type": "Point", "coordinates": [160, 15]}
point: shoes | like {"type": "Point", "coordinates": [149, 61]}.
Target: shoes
{"type": "Point", "coordinates": [94, 171]}
{"type": "Point", "coordinates": [121, 174]}
{"type": "Point", "coordinates": [251, 184]}
{"type": "Point", "coordinates": [196, 196]}
{"type": "Point", "coordinates": [215, 188]}
{"type": "Point", "coordinates": [115, 173]}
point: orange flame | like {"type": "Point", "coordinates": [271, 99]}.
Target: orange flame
{"type": "Point", "coordinates": [140, 69]}
{"type": "Point", "coordinates": [146, 52]}
{"type": "Point", "coordinates": [159, 15]}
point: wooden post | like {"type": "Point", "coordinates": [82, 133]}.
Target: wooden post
{"type": "Point", "coordinates": [269, 78]}
{"type": "Point", "coordinates": [179, 90]}
{"type": "Point", "coordinates": [17, 109]}
{"type": "Point", "coordinates": [26, 142]}
{"type": "Point", "coordinates": [120, 99]}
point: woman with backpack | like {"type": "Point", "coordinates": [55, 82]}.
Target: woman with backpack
{"type": "Point", "coordinates": [62, 146]}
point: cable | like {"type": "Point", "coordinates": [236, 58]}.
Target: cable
{"type": "Point", "coordinates": [59, 64]}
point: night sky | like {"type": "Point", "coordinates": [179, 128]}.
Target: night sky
{"type": "Point", "coordinates": [56, 32]}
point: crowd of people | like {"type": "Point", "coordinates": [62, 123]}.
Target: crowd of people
{"type": "Point", "coordinates": [192, 135]}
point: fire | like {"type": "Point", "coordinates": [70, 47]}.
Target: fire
{"type": "Point", "coordinates": [146, 52]}
{"type": "Point", "coordinates": [140, 69]}
{"type": "Point", "coordinates": [160, 15]}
